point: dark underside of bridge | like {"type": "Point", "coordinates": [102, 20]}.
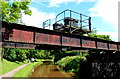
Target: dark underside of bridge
{"type": "Point", "coordinates": [104, 59]}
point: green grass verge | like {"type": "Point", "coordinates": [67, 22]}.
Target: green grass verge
{"type": "Point", "coordinates": [44, 60]}
{"type": "Point", "coordinates": [27, 70]}
{"type": "Point", "coordinates": [8, 66]}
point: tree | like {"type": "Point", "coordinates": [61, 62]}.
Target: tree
{"type": "Point", "coordinates": [10, 54]}
{"type": "Point", "coordinates": [95, 35]}
{"type": "Point", "coordinates": [105, 37]}
{"type": "Point", "coordinates": [12, 11]}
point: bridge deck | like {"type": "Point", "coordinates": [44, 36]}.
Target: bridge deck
{"type": "Point", "coordinates": [21, 36]}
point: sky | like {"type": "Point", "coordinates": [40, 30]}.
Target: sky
{"type": "Point", "coordinates": [104, 13]}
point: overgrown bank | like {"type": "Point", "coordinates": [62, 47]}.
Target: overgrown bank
{"type": "Point", "coordinates": [73, 63]}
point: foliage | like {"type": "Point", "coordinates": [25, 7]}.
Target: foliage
{"type": "Point", "coordinates": [58, 55]}
{"type": "Point", "coordinates": [10, 54]}
{"type": "Point", "coordinates": [15, 54]}
{"type": "Point", "coordinates": [23, 54]}
{"type": "Point", "coordinates": [71, 63]}
{"type": "Point", "coordinates": [44, 54]}
{"type": "Point", "coordinates": [105, 37]}
{"type": "Point", "coordinates": [72, 53]}
{"type": "Point", "coordinates": [12, 11]}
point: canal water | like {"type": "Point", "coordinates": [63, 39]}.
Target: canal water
{"type": "Point", "coordinates": [47, 69]}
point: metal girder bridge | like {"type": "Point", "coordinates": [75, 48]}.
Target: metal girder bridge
{"type": "Point", "coordinates": [21, 36]}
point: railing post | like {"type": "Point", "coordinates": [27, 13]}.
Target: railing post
{"type": "Point", "coordinates": [70, 21]}
{"type": "Point", "coordinates": [64, 18]}
{"type": "Point", "coordinates": [90, 23]}
{"type": "Point", "coordinates": [81, 20]}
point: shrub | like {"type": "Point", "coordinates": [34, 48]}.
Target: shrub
{"type": "Point", "coordinates": [10, 54]}
{"type": "Point", "coordinates": [15, 54]}
{"type": "Point", "coordinates": [21, 55]}
{"type": "Point", "coordinates": [71, 63]}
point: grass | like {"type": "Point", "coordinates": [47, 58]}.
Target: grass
{"type": "Point", "coordinates": [8, 65]}
{"type": "Point", "coordinates": [44, 59]}
{"type": "Point", "coordinates": [27, 70]}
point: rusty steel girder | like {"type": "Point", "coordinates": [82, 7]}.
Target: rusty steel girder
{"type": "Point", "coordinates": [21, 36]}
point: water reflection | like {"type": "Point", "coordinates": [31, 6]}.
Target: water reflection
{"type": "Point", "coordinates": [49, 70]}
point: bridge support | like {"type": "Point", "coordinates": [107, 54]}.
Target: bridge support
{"type": "Point", "coordinates": [86, 68]}
{"type": "Point", "coordinates": [105, 64]}
{"type": "Point", "coordinates": [101, 65]}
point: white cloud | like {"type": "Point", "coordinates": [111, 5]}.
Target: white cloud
{"type": "Point", "coordinates": [36, 18]}
{"type": "Point", "coordinates": [55, 3]}
{"type": "Point", "coordinates": [113, 35]}
{"type": "Point", "coordinates": [108, 11]}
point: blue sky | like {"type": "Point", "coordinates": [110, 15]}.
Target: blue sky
{"type": "Point", "coordinates": [104, 13]}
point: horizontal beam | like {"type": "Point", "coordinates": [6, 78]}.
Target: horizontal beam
{"type": "Point", "coordinates": [21, 36]}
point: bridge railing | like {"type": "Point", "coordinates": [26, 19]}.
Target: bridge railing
{"type": "Point", "coordinates": [84, 21]}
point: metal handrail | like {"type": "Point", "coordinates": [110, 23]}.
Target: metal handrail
{"type": "Point", "coordinates": [44, 23]}
{"type": "Point", "coordinates": [81, 20]}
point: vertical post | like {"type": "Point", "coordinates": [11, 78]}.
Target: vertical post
{"type": "Point", "coordinates": [70, 21]}
{"type": "Point", "coordinates": [86, 68]}
{"type": "Point", "coordinates": [90, 65]}
{"type": "Point", "coordinates": [81, 42]}
{"type": "Point", "coordinates": [61, 35]}
{"type": "Point", "coordinates": [81, 20]}
{"type": "Point", "coordinates": [56, 19]}
{"type": "Point", "coordinates": [49, 23]}
{"type": "Point", "coordinates": [64, 14]}
{"type": "Point", "coordinates": [108, 46]}
{"type": "Point", "coordinates": [90, 23]}
{"type": "Point", "coordinates": [117, 47]}
{"type": "Point", "coordinates": [34, 35]}
{"type": "Point", "coordinates": [87, 71]}
{"type": "Point", "coordinates": [96, 44]}
{"type": "Point", "coordinates": [64, 17]}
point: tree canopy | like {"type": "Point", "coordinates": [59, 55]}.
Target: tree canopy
{"type": "Point", "coordinates": [12, 11]}
{"type": "Point", "coordinates": [105, 37]}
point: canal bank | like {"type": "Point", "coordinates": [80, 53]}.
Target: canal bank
{"type": "Point", "coordinates": [48, 69]}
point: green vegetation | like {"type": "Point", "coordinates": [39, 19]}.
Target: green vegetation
{"type": "Point", "coordinates": [105, 37]}
{"type": "Point", "coordinates": [8, 66]}
{"type": "Point", "coordinates": [72, 63]}
{"type": "Point", "coordinates": [68, 60]}
{"type": "Point", "coordinates": [12, 11]}
{"type": "Point", "coordinates": [58, 54]}
{"type": "Point", "coordinates": [42, 60]}
{"type": "Point", "coordinates": [27, 70]}
{"type": "Point", "coordinates": [16, 57]}
{"type": "Point", "coordinates": [21, 55]}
